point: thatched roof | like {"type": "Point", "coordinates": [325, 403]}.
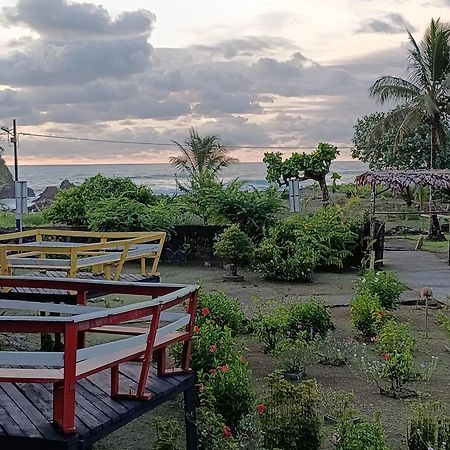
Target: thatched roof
{"type": "Point", "coordinates": [398, 179]}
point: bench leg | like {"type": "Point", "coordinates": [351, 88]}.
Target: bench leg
{"type": "Point", "coordinates": [64, 406]}
{"type": "Point", "coordinates": [115, 381]}
{"type": "Point", "coordinates": [190, 419]}
{"type": "Point", "coordinates": [143, 267]}
{"type": "Point", "coordinates": [160, 358]}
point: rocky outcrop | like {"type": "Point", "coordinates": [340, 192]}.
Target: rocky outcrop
{"type": "Point", "coordinates": [7, 189]}
{"type": "Point", "coordinates": [46, 198]}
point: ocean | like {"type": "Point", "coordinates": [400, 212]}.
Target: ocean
{"type": "Point", "coordinates": [160, 177]}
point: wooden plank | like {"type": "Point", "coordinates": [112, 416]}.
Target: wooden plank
{"type": "Point", "coordinates": [98, 402]}
{"type": "Point", "coordinates": [32, 359]}
{"type": "Point", "coordinates": [7, 423]}
{"type": "Point", "coordinates": [27, 427]}
{"type": "Point", "coordinates": [31, 375]}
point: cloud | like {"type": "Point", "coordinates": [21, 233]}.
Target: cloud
{"type": "Point", "coordinates": [63, 19]}
{"type": "Point", "coordinates": [390, 23]}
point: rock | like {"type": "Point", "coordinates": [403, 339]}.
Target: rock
{"type": "Point", "coordinates": [7, 189]}
{"type": "Point", "coordinates": [66, 184]}
{"type": "Point", "coordinates": [49, 194]}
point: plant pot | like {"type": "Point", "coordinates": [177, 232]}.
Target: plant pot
{"type": "Point", "coordinates": [297, 376]}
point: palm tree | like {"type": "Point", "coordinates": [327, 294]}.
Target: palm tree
{"type": "Point", "coordinates": [424, 97]}
{"type": "Point", "coordinates": [202, 155]}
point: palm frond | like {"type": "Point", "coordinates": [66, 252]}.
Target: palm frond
{"type": "Point", "coordinates": [394, 88]}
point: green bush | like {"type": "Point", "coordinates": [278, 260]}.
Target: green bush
{"type": "Point", "coordinates": [291, 418]}
{"type": "Point", "coordinates": [234, 247]}
{"type": "Point", "coordinates": [168, 433]}
{"type": "Point", "coordinates": [122, 214]}
{"type": "Point", "coordinates": [213, 434]}
{"type": "Point", "coordinates": [219, 309]}
{"type": "Point", "coordinates": [294, 248]}
{"type": "Point", "coordinates": [367, 314]}
{"type": "Point", "coordinates": [358, 435]}
{"type": "Point", "coordinates": [71, 206]}
{"type": "Point", "coordinates": [428, 427]}
{"type": "Point", "coordinates": [385, 285]}
{"type": "Point", "coordinates": [270, 323]}
{"type": "Point", "coordinates": [229, 390]}
{"type": "Point", "coordinates": [311, 317]}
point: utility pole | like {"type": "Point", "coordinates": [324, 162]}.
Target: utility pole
{"type": "Point", "coordinates": [14, 141]}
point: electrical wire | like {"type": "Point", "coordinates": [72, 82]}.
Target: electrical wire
{"type": "Point", "coordinates": [161, 144]}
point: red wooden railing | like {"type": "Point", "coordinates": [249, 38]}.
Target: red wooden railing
{"type": "Point", "coordinates": [64, 369]}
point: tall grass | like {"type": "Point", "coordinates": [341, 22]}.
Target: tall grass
{"type": "Point", "coordinates": [8, 220]}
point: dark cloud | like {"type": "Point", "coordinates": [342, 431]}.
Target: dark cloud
{"type": "Point", "coordinates": [63, 19]}
{"type": "Point", "coordinates": [390, 23]}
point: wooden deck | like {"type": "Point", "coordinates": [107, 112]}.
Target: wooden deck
{"type": "Point", "coordinates": [57, 295]}
{"type": "Point", "coordinates": [26, 410]}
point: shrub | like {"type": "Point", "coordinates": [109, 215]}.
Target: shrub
{"type": "Point", "coordinates": [367, 314]}
{"type": "Point", "coordinates": [219, 309]}
{"type": "Point", "coordinates": [428, 427]}
{"type": "Point", "coordinates": [384, 284]}
{"type": "Point", "coordinates": [291, 417]}
{"type": "Point", "coordinates": [294, 356]}
{"type": "Point", "coordinates": [212, 347]}
{"type": "Point", "coordinates": [122, 214]}
{"type": "Point", "coordinates": [357, 435]}
{"type": "Point", "coordinates": [311, 317]}
{"type": "Point", "coordinates": [270, 323]}
{"type": "Point", "coordinates": [213, 434]}
{"type": "Point", "coordinates": [229, 391]}
{"type": "Point", "coordinates": [234, 247]}
{"type": "Point", "coordinates": [249, 433]}
{"type": "Point", "coordinates": [71, 206]}
{"type": "Point", "coordinates": [167, 434]}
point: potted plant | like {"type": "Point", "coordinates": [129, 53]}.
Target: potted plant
{"type": "Point", "coordinates": [294, 356]}
{"type": "Point", "coordinates": [235, 248]}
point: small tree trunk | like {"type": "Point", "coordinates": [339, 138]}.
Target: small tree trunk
{"type": "Point", "coordinates": [233, 270]}
{"type": "Point", "coordinates": [407, 196]}
{"type": "Point", "coordinates": [324, 189]}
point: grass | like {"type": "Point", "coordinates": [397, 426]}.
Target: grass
{"type": "Point", "coordinates": [8, 220]}
{"type": "Point", "coordinates": [431, 246]}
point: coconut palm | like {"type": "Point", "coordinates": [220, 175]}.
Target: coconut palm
{"type": "Point", "coordinates": [202, 155]}
{"type": "Point", "coordinates": [424, 96]}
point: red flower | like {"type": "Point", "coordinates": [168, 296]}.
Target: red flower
{"type": "Point", "coordinates": [227, 431]}
{"type": "Point", "coordinates": [261, 408]}
{"type": "Point", "coordinates": [224, 368]}
{"type": "Point", "coordinates": [386, 356]}
{"type": "Point", "coordinates": [196, 329]}
{"type": "Point", "coordinates": [213, 348]}
{"type": "Point", "coordinates": [205, 311]}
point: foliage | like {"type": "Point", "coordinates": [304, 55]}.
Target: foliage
{"type": "Point", "coordinates": [396, 345]}
{"type": "Point", "coordinates": [34, 219]}
{"type": "Point", "coordinates": [250, 434]}
{"type": "Point", "coordinates": [385, 152]}
{"type": "Point", "coordinates": [219, 309]}
{"type": "Point", "coordinates": [292, 250]}
{"type": "Point", "coordinates": [270, 323]}
{"type": "Point", "coordinates": [235, 247]}
{"type": "Point", "coordinates": [122, 214]}
{"type": "Point", "coordinates": [336, 352]}
{"type": "Point", "coordinates": [213, 434]}
{"type": "Point", "coordinates": [229, 390]}
{"type": "Point", "coordinates": [367, 314]}
{"type": "Point", "coordinates": [385, 285]}
{"type": "Point", "coordinates": [311, 319]}
{"type": "Point", "coordinates": [428, 427]}
{"type": "Point", "coordinates": [291, 417]}
{"type": "Point", "coordinates": [294, 356]}
{"type": "Point", "coordinates": [357, 435]}
{"type": "Point", "coordinates": [314, 166]}
{"type": "Point", "coordinates": [200, 155]}
{"type": "Point", "coordinates": [424, 97]}
{"type": "Point", "coordinates": [167, 434]}
{"type": "Point", "coordinates": [219, 203]}
{"type": "Point", "coordinates": [71, 206]}
{"type": "Point", "coordinates": [444, 322]}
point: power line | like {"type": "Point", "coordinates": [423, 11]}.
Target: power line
{"type": "Point", "coordinates": [162, 144]}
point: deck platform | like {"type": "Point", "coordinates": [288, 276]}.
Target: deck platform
{"type": "Point", "coordinates": [26, 409]}
{"type": "Point", "coordinates": [46, 295]}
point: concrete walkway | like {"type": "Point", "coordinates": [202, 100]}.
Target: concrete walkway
{"type": "Point", "coordinates": [418, 269]}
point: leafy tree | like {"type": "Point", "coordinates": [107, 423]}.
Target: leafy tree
{"type": "Point", "coordinates": [303, 166]}
{"type": "Point", "coordinates": [385, 152]}
{"type": "Point", "coordinates": [202, 154]}
{"type": "Point", "coordinates": [424, 97]}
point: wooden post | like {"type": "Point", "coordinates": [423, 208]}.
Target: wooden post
{"type": "Point", "coordinates": [64, 391]}
{"type": "Point", "coordinates": [190, 419]}
{"type": "Point", "coordinates": [187, 346]}
{"type": "Point", "coordinates": [73, 263]}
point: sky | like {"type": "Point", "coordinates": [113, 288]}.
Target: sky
{"type": "Point", "coordinates": [257, 73]}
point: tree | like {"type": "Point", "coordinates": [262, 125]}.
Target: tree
{"type": "Point", "coordinates": [424, 97]}
{"type": "Point", "coordinates": [385, 152]}
{"type": "Point", "coordinates": [200, 155]}
{"type": "Point", "coordinates": [303, 166]}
